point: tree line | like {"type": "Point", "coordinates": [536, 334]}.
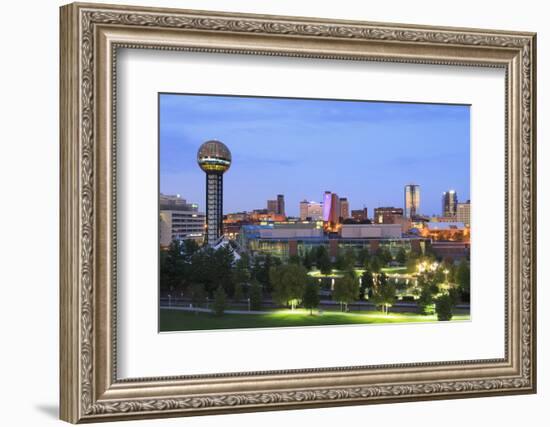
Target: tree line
{"type": "Point", "coordinates": [205, 273]}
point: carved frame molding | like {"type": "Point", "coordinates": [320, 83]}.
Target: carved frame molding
{"type": "Point", "coordinates": [90, 37]}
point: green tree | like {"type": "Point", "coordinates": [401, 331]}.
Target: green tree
{"type": "Point", "coordinates": [288, 283]}
{"type": "Point", "coordinates": [172, 267]}
{"type": "Point", "coordinates": [256, 269]}
{"type": "Point", "coordinates": [426, 291]}
{"type": "Point", "coordinates": [346, 289]}
{"type": "Point", "coordinates": [411, 264]}
{"type": "Point", "coordinates": [349, 259]}
{"type": "Point", "coordinates": [222, 266]}
{"type": "Point", "coordinates": [401, 256]}
{"type": "Point", "coordinates": [463, 277]}
{"type": "Point", "coordinates": [190, 247]}
{"type": "Point", "coordinates": [340, 262]}
{"type": "Point", "coordinates": [197, 271]}
{"type": "Point", "coordinates": [241, 275]}
{"type": "Point", "coordinates": [219, 301]}
{"type": "Point", "coordinates": [455, 294]}
{"type": "Point", "coordinates": [261, 269]}
{"type": "Point", "coordinates": [164, 277]}
{"type": "Point", "coordinates": [294, 259]}
{"type": "Point", "coordinates": [451, 277]}
{"type": "Point", "coordinates": [439, 275]}
{"type": "Point", "coordinates": [255, 295]}
{"type": "Point", "coordinates": [384, 256]}
{"type": "Point", "coordinates": [367, 284]}
{"type": "Point", "coordinates": [244, 260]}
{"type": "Point", "coordinates": [311, 298]}
{"type": "Point", "coordinates": [323, 261]}
{"type": "Point", "coordinates": [238, 295]}
{"type": "Point", "coordinates": [307, 260]}
{"type": "Point", "coordinates": [363, 256]}
{"type": "Point", "coordinates": [198, 294]}
{"type": "Point", "coordinates": [444, 307]}
{"type": "Point", "coordinates": [375, 265]}
{"type": "Point", "coordinates": [425, 300]}
{"type": "Point", "coordinates": [384, 293]}
{"type": "Point", "coordinates": [212, 268]}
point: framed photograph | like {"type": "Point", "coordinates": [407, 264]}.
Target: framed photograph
{"type": "Point", "coordinates": [266, 212]}
{"type": "Point", "coordinates": [253, 262]}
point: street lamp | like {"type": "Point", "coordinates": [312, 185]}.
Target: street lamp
{"type": "Point", "coordinates": [446, 273]}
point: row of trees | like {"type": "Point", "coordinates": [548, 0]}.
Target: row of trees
{"type": "Point", "coordinates": [183, 264]}
{"type": "Point", "coordinates": [348, 259]}
{"type": "Point", "coordinates": [198, 272]}
{"type": "Point", "coordinates": [293, 286]}
{"type": "Point", "coordinates": [203, 273]}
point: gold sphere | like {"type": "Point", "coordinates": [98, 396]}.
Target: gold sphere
{"type": "Point", "coordinates": [214, 157]}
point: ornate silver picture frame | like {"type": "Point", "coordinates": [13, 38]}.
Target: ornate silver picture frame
{"type": "Point", "coordinates": [91, 35]}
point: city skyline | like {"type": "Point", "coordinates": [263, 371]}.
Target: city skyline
{"type": "Point", "coordinates": [371, 173]}
{"type": "Point", "coordinates": [320, 202]}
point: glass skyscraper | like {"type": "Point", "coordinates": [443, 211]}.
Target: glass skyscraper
{"type": "Point", "coordinates": [449, 203]}
{"type": "Point", "coordinates": [412, 200]}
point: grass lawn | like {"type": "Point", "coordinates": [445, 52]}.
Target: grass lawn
{"type": "Point", "coordinates": [394, 270]}
{"type": "Point", "coordinates": [174, 320]}
{"type": "Point", "coordinates": [359, 271]}
{"type": "Point", "coordinates": [334, 274]}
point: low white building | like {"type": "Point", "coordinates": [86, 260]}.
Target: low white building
{"type": "Point", "coordinates": [371, 231]}
{"type": "Point", "coordinates": [180, 220]}
{"type": "Point", "coordinates": [181, 225]}
{"type": "Point", "coordinates": [463, 213]}
{"type": "Point", "coordinates": [311, 210]}
{"type": "Point", "coordinates": [291, 231]}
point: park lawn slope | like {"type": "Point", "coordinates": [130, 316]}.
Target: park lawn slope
{"type": "Point", "coordinates": [176, 320]}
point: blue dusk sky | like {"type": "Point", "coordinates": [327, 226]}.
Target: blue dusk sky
{"type": "Point", "coordinates": [365, 151]}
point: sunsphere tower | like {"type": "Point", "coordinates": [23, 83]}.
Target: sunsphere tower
{"type": "Point", "coordinates": [214, 158]}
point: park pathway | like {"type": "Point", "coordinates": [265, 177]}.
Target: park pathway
{"type": "Point", "coordinates": [208, 310]}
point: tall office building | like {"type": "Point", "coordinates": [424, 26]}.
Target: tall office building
{"type": "Point", "coordinates": [327, 197]}
{"type": "Point", "coordinates": [331, 209]}
{"type": "Point", "coordinates": [272, 206]}
{"type": "Point", "coordinates": [463, 213]}
{"type": "Point", "coordinates": [335, 213]}
{"type": "Point", "coordinates": [344, 208]}
{"type": "Point", "coordinates": [412, 200]}
{"type": "Point", "coordinates": [311, 210]}
{"type": "Point", "coordinates": [179, 220]}
{"type": "Point", "coordinates": [449, 203]}
{"type": "Point", "coordinates": [280, 204]}
{"type": "Point", "coordinates": [214, 158]}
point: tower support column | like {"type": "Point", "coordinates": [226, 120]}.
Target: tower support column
{"type": "Point", "coordinates": [214, 207]}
